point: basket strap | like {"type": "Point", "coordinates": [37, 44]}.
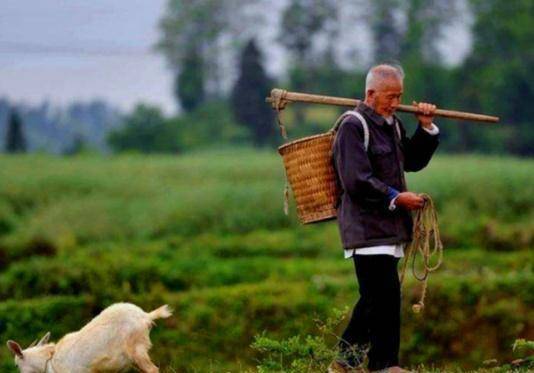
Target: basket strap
{"type": "Point", "coordinates": [398, 128]}
{"type": "Point", "coordinates": [365, 126]}
{"type": "Point", "coordinates": [286, 197]}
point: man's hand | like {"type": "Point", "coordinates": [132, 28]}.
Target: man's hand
{"type": "Point", "coordinates": [428, 110]}
{"type": "Point", "coordinates": [409, 201]}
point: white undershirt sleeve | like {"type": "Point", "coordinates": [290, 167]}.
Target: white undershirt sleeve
{"type": "Point", "coordinates": [434, 130]}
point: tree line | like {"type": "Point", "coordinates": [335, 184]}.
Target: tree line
{"type": "Point", "coordinates": [216, 51]}
{"type": "Point", "coordinates": [496, 77]}
{"type": "Point", "coordinates": [76, 127]}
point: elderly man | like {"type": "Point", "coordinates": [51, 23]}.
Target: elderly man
{"type": "Point", "coordinates": [374, 213]}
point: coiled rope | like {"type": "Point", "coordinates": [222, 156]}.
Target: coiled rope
{"type": "Point", "coordinates": [425, 235]}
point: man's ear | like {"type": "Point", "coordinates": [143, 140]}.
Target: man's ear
{"type": "Point", "coordinates": [44, 340]}
{"type": "Point", "coordinates": [14, 347]}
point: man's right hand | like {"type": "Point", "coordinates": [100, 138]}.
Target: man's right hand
{"type": "Point", "coordinates": [409, 201]}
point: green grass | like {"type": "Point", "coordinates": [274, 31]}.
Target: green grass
{"type": "Point", "coordinates": [205, 233]}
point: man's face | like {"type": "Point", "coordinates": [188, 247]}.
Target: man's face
{"type": "Point", "coordinates": [386, 97]}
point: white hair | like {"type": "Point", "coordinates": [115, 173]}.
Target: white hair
{"type": "Point", "coordinates": [382, 72]}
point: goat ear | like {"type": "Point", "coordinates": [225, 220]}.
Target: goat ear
{"type": "Point", "coordinates": [14, 347]}
{"type": "Point", "coordinates": [49, 350]}
{"type": "Point", "coordinates": [44, 340]}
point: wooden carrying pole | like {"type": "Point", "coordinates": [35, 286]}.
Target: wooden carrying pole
{"type": "Point", "coordinates": [280, 98]}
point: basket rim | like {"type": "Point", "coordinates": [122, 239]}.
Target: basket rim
{"type": "Point", "coordinates": [303, 139]}
{"type": "Point", "coordinates": [318, 216]}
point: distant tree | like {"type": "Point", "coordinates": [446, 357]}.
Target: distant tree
{"type": "Point", "coordinates": [425, 23]}
{"type": "Point", "coordinates": [212, 125]}
{"type": "Point", "coordinates": [145, 130]}
{"type": "Point", "coordinates": [190, 30]}
{"type": "Point", "coordinates": [498, 76]}
{"type": "Point", "coordinates": [386, 31]}
{"type": "Point", "coordinates": [248, 96]}
{"type": "Point", "coordinates": [189, 83]}
{"type": "Point", "coordinates": [195, 40]}
{"type": "Point", "coordinates": [48, 128]}
{"type": "Point", "coordinates": [78, 146]}
{"type": "Point", "coordinates": [302, 22]}
{"type": "Point", "coordinates": [408, 30]}
{"type": "Point", "coordinates": [15, 140]}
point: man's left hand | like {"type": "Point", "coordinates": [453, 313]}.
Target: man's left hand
{"type": "Point", "coordinates": [425, 119]}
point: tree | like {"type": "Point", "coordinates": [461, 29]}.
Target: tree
{"type": "Point", "coordinates": [190, 33]}
{"type": "Point", "coordinates": [145, 130]}
{"type": "Point", "coordinates": [189, 83]}
{"type": "Point", "coordinates": [386, 30]}
{"type": "Point", "coordinates": [78, 146]}
{"type": "Point", "coordinates": [248, 96]}
{"type": "Point", "coordinates": [15, 140]}
{"type": "Point", "coordinates": [497, 76]}
{"type": "Point", "coordinates": [425, 23]}
{"type": "Point", "coordinates": [196, 37]}
{"type": "Point", "coordinates": [302, 22]}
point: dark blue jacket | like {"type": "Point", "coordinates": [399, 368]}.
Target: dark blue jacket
{"type": "Point", "coordinates": [365, 177]}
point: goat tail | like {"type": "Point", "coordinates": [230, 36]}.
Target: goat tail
{"type": "Point", "coordinates": [160, 313]}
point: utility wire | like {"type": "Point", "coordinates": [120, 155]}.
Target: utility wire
{"type": "Point", "coordinates": [9, 47]}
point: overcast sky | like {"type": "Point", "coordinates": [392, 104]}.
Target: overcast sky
{"type": "Point", "coordinates": [65, 50]}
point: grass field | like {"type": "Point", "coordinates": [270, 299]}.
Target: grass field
{"type": "Point", "coordinates": [206, 234]}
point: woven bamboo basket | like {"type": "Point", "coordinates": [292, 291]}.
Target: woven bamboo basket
{"type": "Point", "coordinates": [311, 175]}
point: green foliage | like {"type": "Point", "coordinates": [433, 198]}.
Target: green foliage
{"type": "Point", "coordinates": [210, 126]}
{"type": "Point", "coordinates": [294, 355]}
{"type": "Point", "coordinates": [312, 353]}
{"type": "Point", "coordinates": [194, 40]}
{"type": "Point", "coordinates": [302, 21]}
{"type": "Point", "coordinates": [425, 23]}
{"type": "Point", "coordinates": [145, 130]}
{"type": "Point", "coordinates": [50, 204]}
{"type": "Point", "coordinates": [189, 85]}
{"type": "Point", "coordinates": [495, 78]}
{"type": "Point", "coordinates": [523, 345]}
{"type": "Point", "coordinates": [386, 34]}
{"type": "Point", "coordinates": [498, 72]}
{"type": "Point", "coordinates": [78, 147]}
{"type": "Point", "coordinates": [205, 233]}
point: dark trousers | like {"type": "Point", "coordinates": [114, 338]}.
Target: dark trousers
{"type": "Point", "coordinates": [376, 317]}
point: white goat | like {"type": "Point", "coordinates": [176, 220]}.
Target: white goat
{"type": "Point", "coordinates": [114, 340]}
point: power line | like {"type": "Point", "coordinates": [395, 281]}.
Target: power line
{"type": "Point", "coordinates": [8, 47]}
